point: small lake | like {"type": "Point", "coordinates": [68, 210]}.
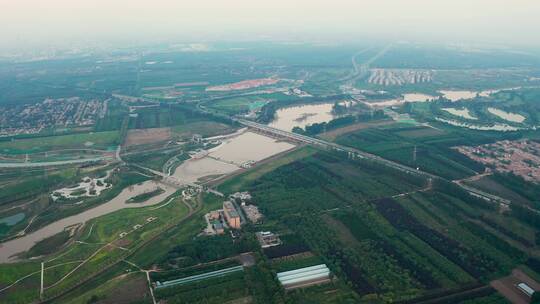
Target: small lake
{"type": "Point", "coordinates": [13, 219]}
{"type": "Point", "coordinates": [301, 116]}
{"type": "Point", "coordinates": [455, 95]}
{"type": "Point", "coordinates": [513, 117]}
{"type": "Point", "coordinates": [22, 244]}
{"type": "Point", "coordinates": [458, 95]}
{"type": "Point", "coordinates": [495, 127]}
{"type": "Point", "coordinates": [460, 112]}
{"type": "Point", "coordinates": [408, 97]}
{"type": "Point", "coordinates": [418, 97]}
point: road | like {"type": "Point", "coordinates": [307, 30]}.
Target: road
{"type": "Point", "coordinates": [354, 153]}
{"type": "Point", "coordinates": [361, 69]}
{"type": "Point", "coordinates": [191, 212]}
{"type": "Point", "coordinates": [169, 179]}
{"type": "Point", "coordinates": [117, 154]}
{"type": "Point", "coordinates": [54, 163]}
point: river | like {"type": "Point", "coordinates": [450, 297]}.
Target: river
{"type": "Point", "coordinates": [228, 157]}
{"type": "Point", "coordinates": [24, 243]}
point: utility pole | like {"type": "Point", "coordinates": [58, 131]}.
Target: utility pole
{"type": "Point", "coordinates": [414, 154]}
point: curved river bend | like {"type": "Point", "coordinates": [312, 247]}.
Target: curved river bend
{"type": "Point", "coordinates": [24, 243]}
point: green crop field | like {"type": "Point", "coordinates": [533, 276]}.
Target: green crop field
{"type": "Point", "coordinates": [398, 142]}
{"type": "Point", "coordinates": [239, 104]}
{"type": "Point", "coordinates": [204, 128]}
{"type": "Point", "coordinates": [387, 235]}
{"type": "Point", "coordinates": [427, 242]}
{"type": "Point", "coordinates": [237, 183]}
{"type": "Point", "coordinates": [95, 140]}
{"type": "Point", "coordinates": [92, 249]}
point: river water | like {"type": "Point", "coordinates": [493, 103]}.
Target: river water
{"type": "Point", "coordinates": [230, 156]}
{"type": "Point", "coordinates": [244, 147]}
{"type": "Point", "coordinates": [465, 113]}
{"type": "Point", "coordinates": [301, 116]}
{"type": "Point", "coordinates": [513, 117]}
{"type": "Point", "coordinates": [22, 244]}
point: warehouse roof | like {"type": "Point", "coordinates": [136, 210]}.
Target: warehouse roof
{"type": "Point", "coordinates": [303, 274]}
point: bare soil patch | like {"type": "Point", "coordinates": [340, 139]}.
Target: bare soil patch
{"type": "Point", "coordinates": [147, 136]}
{"type": "Point", "coordinates": [507, 286]}
{"type": "Point", "coordinates": [134, 289]}
{"type": "Point", "coordinates": [122, 242]}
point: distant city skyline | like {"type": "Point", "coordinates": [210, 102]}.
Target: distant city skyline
{"type": "Point", "coordinates": [28, 23]}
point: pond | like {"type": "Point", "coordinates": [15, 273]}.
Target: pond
{"type": "Point", "coordinates": [494, 127]}
{"type": "Point", "coordinates": [513, 117]}
{"type": "Point", "coordinates": [460, 112]}
{"type": "Point", "coordinates": [301, 116]}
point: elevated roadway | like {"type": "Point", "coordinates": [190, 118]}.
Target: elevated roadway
{"type": "Point", "coordinates": [54, 163]}
{"type": "Point", "coordinates": [354, 153]}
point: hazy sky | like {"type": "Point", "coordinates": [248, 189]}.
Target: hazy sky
{"type": "Point", "coordinates": [50, 22]}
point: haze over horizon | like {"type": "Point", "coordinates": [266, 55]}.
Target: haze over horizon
{"type": "Point", "coordinates": [29, 23]}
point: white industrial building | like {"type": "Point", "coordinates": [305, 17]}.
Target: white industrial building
{"type": "Point", "coordinates": [304, 276]}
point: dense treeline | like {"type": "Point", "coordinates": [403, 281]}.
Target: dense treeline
{"type": "Point", "coordinates": [530, 191]}
{"type": "Point", "coordinates": [323, 242]}
{"type": "Point", "coordinates": [454, 190]}
{"type": "Point", "coordinates": [475, 263]}
{"type": "Point", "coordinates": [506, 231]}
{"type": "Point", "coordinates": [416, 147]}
{"type": "Point", "coordinates": [166, 115]}
{"type": "Point", "coordinates": [531, 217]}
{"type": "Point", "coordinates": [339, 122]}
{"type": "Point", "coordinates": [206, 249]}
{"type": "Point", "coordinates": [495, 241]}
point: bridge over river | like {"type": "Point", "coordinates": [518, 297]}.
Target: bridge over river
{"type": "Point", "coordinates": [354, 153]}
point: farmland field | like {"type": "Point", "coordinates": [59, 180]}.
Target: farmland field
{"type": "Point", "coordinates": [96, 140]}
{"type": "Point", "coordinates": [425, 148]}
{"type": "Point", "coordinates": [204, 128]}
{"type": "Point", "coordinates": [388, 234]}
{"type": "Point", "coordinates": [432, 241]}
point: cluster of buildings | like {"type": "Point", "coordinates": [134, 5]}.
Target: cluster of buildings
{"type": "Point", "coordinates": [50, 113]}
{"type": "Point", "coordinates": [388, 77]}
{"type": "Point", "coordinates": [520, 157]}
{"type": "Point", "coordinates": [235, 212]}
{"type": "Point", "coordinates": [226, 218]}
